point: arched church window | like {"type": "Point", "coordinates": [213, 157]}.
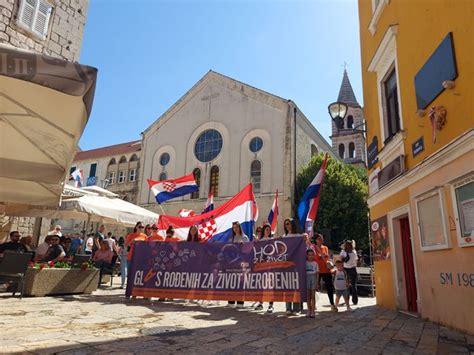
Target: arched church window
{"type": "Point", "coordinates": [256, 175]}
{"type": "Point", "coordinates": [163, 176]}
{"type": "Point", "coordinates": [352, 150]}
{"type": "Point", "coordinates": [256, 144]}
{"type": "Point", "coordinates": [197, 178]}
{"type": "Point", "coordinates": [112, 161]}
{"type": "Point", "coordinates": [208, 145]}
{"type": "Point", "coordinates": [122, 160]}
{"type": "Point", "coordinates": [214, 185]}
{"type": "Point", "coordinates": [164, 159]}
{"type": "Point", "coordinates": [314, 150]}
{"type": "Point", "coordinates": [134, 157]}
{"type": "Point", "coordinates": [350, 121]}
{"type": "Point", "coordinates": [341, 151]}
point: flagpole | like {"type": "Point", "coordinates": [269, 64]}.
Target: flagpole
{"type": "Point", "coordinates": [162, 210]}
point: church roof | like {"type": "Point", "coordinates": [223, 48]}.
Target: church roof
{"type": "Point", "coordinates": [346, 94]}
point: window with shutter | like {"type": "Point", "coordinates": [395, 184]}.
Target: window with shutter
{"type": "Point", "coordinates": [34, 16]}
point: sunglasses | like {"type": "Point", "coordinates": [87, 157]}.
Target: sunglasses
{"type": "Point", "coordinates": [141, 227]}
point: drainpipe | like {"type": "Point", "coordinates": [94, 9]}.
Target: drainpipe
{"type": "Point", "coordinates": [294, 163]}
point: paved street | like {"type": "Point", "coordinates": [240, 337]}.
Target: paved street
{"type": "Point", "coordinates": [106, 322]}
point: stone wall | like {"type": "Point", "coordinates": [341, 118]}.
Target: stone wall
{"type": "Point", "coordinates": [65, 29]}
{"type": "Point", "coordinates": [26, 226]}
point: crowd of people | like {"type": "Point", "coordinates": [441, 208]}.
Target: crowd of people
{"type": "Point", "coordinates": [338, 274]}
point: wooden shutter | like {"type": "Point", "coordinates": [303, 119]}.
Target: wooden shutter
{"type": "Point", "coordinates": [42, 18]}
{"type": "Point", "coordinates": [26, 15]}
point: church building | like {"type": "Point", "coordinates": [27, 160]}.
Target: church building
{"type": "Point", "coordinates": [228, 134]}
{"type": "Point", "coordinates": [349, 140]}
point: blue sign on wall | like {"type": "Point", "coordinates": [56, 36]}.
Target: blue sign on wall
{"type": "Point", "coordinates": [418, 147]}
{"type": "Point", "coordinates": [91, 181]}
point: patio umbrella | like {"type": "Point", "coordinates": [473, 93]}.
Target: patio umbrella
{"type": "Point", "coordinates": [44, 107]}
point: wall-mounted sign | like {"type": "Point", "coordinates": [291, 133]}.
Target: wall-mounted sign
{"type": "Point", "coordinates": [418, 147]}
{"type": "Point", "coordinates": [91, 180]}
{"type": "Point", "coordinates": [372, 152]}
{"type": "Point", "coordinates": [440, 67]}
{"type": "Point", "coordinates": [392, 170]}
{"type": "Point", "coordinates": [380, 242]}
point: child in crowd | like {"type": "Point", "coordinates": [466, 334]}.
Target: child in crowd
{"type": "Point", "coordinates": [311, 282]}
{"type": "Point", "coordinates": [341, 284]}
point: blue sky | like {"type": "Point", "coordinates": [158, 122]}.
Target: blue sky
{"type": "Point", "coordinates": [150, 52]}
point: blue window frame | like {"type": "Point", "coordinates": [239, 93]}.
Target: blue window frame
{"type": "Point", "coordinates": [164, 159]}
{"type": "Point", "coordinates": [256, 144]}
{"type": "Point", "coordinates": [208, 145]}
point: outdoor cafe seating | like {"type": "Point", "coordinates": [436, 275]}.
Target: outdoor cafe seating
{"type": "Point", "coordinates": [13, 267]}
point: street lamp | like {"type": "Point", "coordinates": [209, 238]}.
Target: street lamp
{"type": "Point", "coordinates": [337, 111]}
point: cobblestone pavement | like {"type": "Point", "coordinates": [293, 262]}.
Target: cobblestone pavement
{"type": "Point", "coordinates": [106, 322]}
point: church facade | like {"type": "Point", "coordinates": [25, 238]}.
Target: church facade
{"type": "Point", "coordinates": [228, 134]}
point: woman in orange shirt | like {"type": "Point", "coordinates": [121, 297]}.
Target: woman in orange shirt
{"type": "Point", "coordinates": [154, 234]}
{"type": "Point", "coordinates": [137, 235]}
{"type": "Point", "coordinates": [322, 258]}
{"type": "Point", "coordinates": [170, 235]}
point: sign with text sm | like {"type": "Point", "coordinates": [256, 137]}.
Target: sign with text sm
{"type": "Point", "coordinates": [272, 270]}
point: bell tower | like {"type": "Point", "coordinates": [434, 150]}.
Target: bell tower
{"type": "Point", "coordinates": [348, 140]}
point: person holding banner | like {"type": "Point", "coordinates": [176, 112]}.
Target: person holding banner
{"type": "Point", "coordinates": [137, 235]}
{"type": "Point", "coordinates": [265, 234]}
{"type": "Point", "coordinates": [193, 235]}
{"type": "Point", "coordinates": [238, 236]}
{"type": "Point", "coordinates": [289, 226]}
{"type": "Point", "coordinates": [154, 234]}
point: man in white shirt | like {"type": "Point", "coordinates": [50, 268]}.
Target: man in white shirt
{"type": "Point", "coordinates": [89, 244]}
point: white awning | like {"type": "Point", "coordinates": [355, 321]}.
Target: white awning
{"type": "Point", "coordinates": [44, 107]}
{"type": "Point", "coordinates": [95, 208]}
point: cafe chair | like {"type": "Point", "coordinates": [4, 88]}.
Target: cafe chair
{"type": "Point", "coordinates": [78, 259]}
{"type": "Point", "coordinates": [13, 269]}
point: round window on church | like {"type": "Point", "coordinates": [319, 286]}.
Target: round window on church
{"type": "Point", "coordinates": [256, 144]}
{"type": "Point", "coordinates": [208, 145]}
{"type": "Point", "coordinates": [164, 159]}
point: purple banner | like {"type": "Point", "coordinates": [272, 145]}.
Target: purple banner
{"type": "Point", "coordinates": [272, 270]}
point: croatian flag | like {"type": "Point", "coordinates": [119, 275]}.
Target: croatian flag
{"type": "Point", "coordinates": [210, 202]}
{"type": "Point", "coordinates": [183, 212]}
{"type": "Point", "coordinates": [216, 225]}
{"type": "Point", "coordinates": [308, 207]}
{"type": "Point", "coordinates": [167, 189]}
{"type": "Point", "coordinates": [273, 215]}
{"type": "Point", "coordinates": [78, 177]}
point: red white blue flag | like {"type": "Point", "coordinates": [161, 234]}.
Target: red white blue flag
{"type": "Point", "coordinates": [216, 225]}
{"type": "Point", "coordinates": [78, 177]}
{"type": "Point", "coordinates": [308, 207]}
{"type": "Point", "coordinates": [273, 215]}
{"type": "Point", "coordinates": [165, 190]}
{"type": "Point", "coordinates": [209, 206]}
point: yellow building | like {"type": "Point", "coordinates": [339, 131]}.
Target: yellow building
{"type": "Point", "coordinates": [418, 76]}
